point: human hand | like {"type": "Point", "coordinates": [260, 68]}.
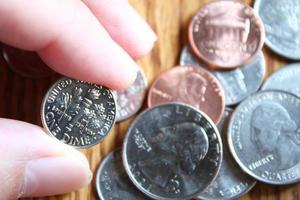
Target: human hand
{"type": "Point", "coordinates": [87, 40]}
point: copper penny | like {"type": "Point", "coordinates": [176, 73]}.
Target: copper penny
{"type": "Point", "coordinates": [25, 63]}
{"type": "Point", "coordinates": [190, 85]}
{"type": "Point", "coordinates": [226, 34]}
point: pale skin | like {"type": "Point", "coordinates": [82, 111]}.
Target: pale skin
{"type": "Point", "coordinates": [91, 40]}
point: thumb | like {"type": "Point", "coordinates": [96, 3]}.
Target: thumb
{"type": "Point", "coordinates": [33, 164]}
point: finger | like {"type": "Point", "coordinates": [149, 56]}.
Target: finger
{"type": "Point", "coordinates": [124, 25]}
{"type": "Point", "coordinates": [33, 164]}
{"type": "Point", "coordinates": [69, 38]}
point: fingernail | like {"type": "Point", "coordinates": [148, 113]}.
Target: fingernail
{"type": "Point", "coordinates": [151, 34]}
{"type": "Point", "coordinates": [55, 175]}
{"type": "Point", "coordinates": [143, 25]}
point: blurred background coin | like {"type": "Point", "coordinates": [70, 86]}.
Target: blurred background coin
{"type": "Point", "coordinates": [78, 113]}
{"type": "Point", "coordinates": [264, 137]}
{"type": "Point", "coordinates": [286, 79]}
{"type": "Point", "coordinates": [190, 85]}
{"type": "Point", "coordinates": [226, 34]}
{"type": "Point", "coordinates": [130, 100]}
{"type": "Point", "coordinates": [241, 82]}
{"type": "Point", "coordinates": [112, 182]}
{"type": "Point", "coordinates": [231, 182]}
{"type": "Point", "coordinates": [25, 63]}
{"type": "Point", "coordinates": [282, 24]}
{"type": "Point", "coordinates": [172, 151]}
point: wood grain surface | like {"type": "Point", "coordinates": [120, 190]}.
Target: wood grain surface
{"type": "Point", "coordinates": [21, 97]}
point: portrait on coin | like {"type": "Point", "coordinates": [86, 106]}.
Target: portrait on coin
{"type": "Point", "coordinates": [273, 131]}
{"type": "Point", "coordinates": [180, 148]}
{"type": "Point", "coordinates": [192, 88]}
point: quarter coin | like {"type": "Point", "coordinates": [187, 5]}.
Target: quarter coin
{"type": "Point", "coordinates": [282, 24]}
{"type": "Point", "coordinates": [264, 137]}
{"type": "Point", "coordinates": [78, 113]}
{"type": "Point", "coordinates": [226, 34]}
{"type": "Point", "coordinates": [112, 182]}
{"type": "Point", "coordinates": [190, 85]}
{"type": "Point", "coordinates": [172, 151]}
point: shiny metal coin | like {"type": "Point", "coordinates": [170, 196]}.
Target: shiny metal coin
{"type": "Point", "coordinates": [172, 151]}
{"type": "Point", "coordinates": [231, 182]}
{"type": "Point", "coordinates": [264, 137]}
{"type": "Point", "coordinates": [187, 58]}
{"type": "Point", "coordinates": [112, 182]}
{"type": "Point", "coordinates": [130, 100]}
{"type": "Point", "coordinates": [191, 85]}
{"type": "Point", "coordinates": [286, 79]}
{"type": "Point", "coordinates": [282, 24]}
{"type": "Point", "coordinates": [77, 113]}
{"type": "Point", "coordinates": [226, 34]}
{"type": "Point", "coordinates": [238, 83]}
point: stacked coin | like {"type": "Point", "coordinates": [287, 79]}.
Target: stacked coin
{"type": "Point", "coordinates": [171, 151]}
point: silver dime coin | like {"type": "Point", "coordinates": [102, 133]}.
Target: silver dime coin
{"type": "Point", "coordinates": [264, 137]}
{"type": "Point", "coordinates": [78, 113]}
{"type": "Point", "coordinates": [172, 151]}
{"type": "Point", "coordinates": [130, 100]}
{"type": "Point", "coordinates": [231, 182]}
{"type": "Point", "coordinates": [286, 79]}
{"type": "Point", "coordinates": [282, 25]}
{"type": "Point", "coordinates": [239, 83]}
{"type": "Point", "coordinates": [112, 182]}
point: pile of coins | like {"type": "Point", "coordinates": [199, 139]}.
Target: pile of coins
{"type": "Point", "coordinates": [212, 127]}
{"type": "Point", "coordinates": [173, 149]}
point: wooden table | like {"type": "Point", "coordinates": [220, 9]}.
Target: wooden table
{"type": "Point", "coordinates": [21, 97]}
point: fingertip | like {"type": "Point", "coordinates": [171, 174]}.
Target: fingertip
{"type": "Point", "coordinates": [110, 66]}
{"type": "Point", "coordinates": [36, 164]}
{"type": "Point", "coordinates": [55, 175]}
{"type": "Point", "coordinates": [140, 47]}
{"type": "Point", "coordinates": [125, 25]}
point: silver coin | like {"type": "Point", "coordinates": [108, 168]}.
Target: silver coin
{"type": "Point", "coordinates": [282, 25]}
{"type": "Point", "coordinates": [231, 182]}
{"type": "Point", "coordinates": [187, 57]}
{"type": "Point", "coordinates": [286, 79]}
{"type": "Point", "coordinates": [130, 100]}
{"type": "Point", "coordinates": [264, 137]}
{"type": "Point", "coordinates": [112, 182]}
{"type": "Point", "coordinates": [172, 151]}
{"type": "Point", "coordinates": [77, 113]}
{"type": "Point", "coordinates": [239, 83]}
